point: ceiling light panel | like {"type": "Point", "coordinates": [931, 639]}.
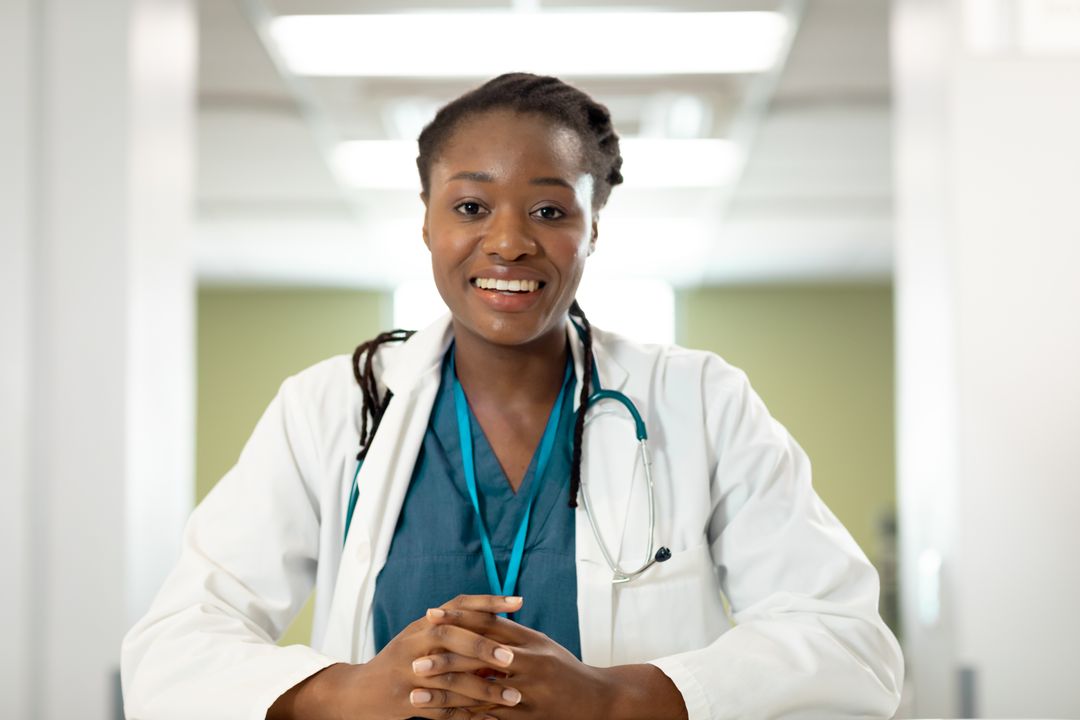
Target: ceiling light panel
{"type": "Point", "coordinates": [474, 44]}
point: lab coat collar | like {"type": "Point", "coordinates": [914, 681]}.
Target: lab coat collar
{"type": "Point", "coordinates": [405, 364]}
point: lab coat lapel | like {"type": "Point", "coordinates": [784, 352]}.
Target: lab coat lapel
{"type": "Point", "coordinates": [608, 454]}
{"type": "Point", "coordinates": [607, 428]}
{"type": "Point", "coordinates": [411, 372]}
{"type": "Point", "coordinates": [621, 461]}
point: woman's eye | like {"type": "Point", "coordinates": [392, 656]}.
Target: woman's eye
{"type": "Point", "coordinates": [550, 213]}
{"type": "Point", "coordinates": [468, 208]}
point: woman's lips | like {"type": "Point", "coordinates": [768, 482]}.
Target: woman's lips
{"type": "Point", "coordinates": [508, 300]}
{"type": "Point", "coordinates": [507, 285]}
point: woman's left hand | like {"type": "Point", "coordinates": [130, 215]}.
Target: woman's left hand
{"type": "Point", "coordinates": [554, 683]}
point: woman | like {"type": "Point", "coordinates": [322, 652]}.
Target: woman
{"type": "Point", "coordinates": [471, 583]}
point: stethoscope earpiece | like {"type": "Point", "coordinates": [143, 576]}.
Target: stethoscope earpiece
{"type": "Point", "coordinates": [663, 554]}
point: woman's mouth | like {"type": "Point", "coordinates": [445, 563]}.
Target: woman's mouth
{"type": "Point", "coordinates": [508, 296]}
{"type": "Point", "coordinates": [507, 286]}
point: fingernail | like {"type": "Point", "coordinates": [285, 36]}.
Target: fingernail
{"type": "Point", "coordinates": [436, 613]}
{"type": "Point", "coordinates": [422, 665]}
{"type": "Point", "coordinates": [503, 655]}
{"type": "Point", "coordinates": [511, 696]}
{"type": "Point", "coordinates": [515, 600]}
{"type": "Point", "coordinates": [416, 697]}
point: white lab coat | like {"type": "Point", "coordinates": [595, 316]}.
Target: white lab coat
{"type": "Point", "coordinates": [733, 502]}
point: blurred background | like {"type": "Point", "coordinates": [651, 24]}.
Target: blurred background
{"type": "Point", "coordinates": [872, 207]}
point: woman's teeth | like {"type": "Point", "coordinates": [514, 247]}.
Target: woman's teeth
{"type": "Point", "coordinates": [507, 285]}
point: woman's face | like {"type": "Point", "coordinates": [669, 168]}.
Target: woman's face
{"type": "Point", "coordinates": [509, 225]}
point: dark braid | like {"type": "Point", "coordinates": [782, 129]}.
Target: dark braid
{"type": "Point", "coordinates": [579, 422]}
{"type": "Point", "coordinates": [374, 406]}
{"type": "Point", "coordinates": [541, 95]}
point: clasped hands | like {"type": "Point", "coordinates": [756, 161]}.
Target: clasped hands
{"type": "Point", "coordinates": [464, 662]}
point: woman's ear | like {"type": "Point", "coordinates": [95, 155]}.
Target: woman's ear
{"type": "Point", "coordinates": [595, 234]}
{"type": "Point", "coordinates": [423, 229]}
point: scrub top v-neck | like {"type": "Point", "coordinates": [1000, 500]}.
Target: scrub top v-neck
{"type": "Point", "coordinates": [436, 551]}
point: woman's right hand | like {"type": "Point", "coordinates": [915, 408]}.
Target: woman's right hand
{"type": "Point", "coordinates": [388, 688]}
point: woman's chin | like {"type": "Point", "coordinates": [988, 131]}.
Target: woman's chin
{"type": "Point", "coordinates": [512, 331]}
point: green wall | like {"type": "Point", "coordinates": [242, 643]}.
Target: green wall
{"type": "Point", "coordinates": [821, 357]}
{"type": "Point", "coordinates": [249, 341]}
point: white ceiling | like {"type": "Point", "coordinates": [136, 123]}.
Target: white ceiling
{"type": "Point", "coordinates": [813, 201]}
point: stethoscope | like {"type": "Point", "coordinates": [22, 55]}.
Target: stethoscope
{"type": "Point", "coordinates": [619, 575]}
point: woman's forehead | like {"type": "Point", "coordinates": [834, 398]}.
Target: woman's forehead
{"type": "Point", "coordinates": [501, 141]}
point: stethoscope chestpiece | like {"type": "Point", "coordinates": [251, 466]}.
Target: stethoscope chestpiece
{"type": "Point", "coordinates": [663, 554]}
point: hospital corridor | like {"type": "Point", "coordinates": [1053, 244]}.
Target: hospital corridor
{"type": "Point", "coordinates": [705, 359]}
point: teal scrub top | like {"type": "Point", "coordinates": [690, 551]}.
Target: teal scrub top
{"type": "Point", "coordinates": [436, 553]}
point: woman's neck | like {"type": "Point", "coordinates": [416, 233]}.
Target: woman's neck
{"type": "Point", "coordinates": [519, 374]}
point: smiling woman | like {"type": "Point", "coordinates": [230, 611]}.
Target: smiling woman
{"type": "Point", "coordinates": [525, 215]}
{"type": "Point", "coordinates": [428, 488]}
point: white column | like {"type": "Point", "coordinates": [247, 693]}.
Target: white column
{"type": "Point", "coordinates": [97, 330]}
{"type": "Point", "coordinates": [17, 138]}
{"type": "Point", "coordinates": [988, 320]}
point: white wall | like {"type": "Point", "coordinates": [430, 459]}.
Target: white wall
{"type": "Point", "coordinates": [97, 328]}
{"type": "Point", "coordinates": [988, 322]}
{"type": "Point", "coordinates": [16, 141]}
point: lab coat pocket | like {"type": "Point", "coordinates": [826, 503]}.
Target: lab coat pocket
{"type": "Point", "coordinates": [673, 607]}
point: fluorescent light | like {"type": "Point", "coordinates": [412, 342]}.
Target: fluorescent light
{"type": "Point", "coordinates": [482, 44]}
{"type": "Point", "coordinates": [696, 162]}
{"type": "Point", "coordinates": [647, 162]}
{"type": "Point", "coordinates": [377, 164]}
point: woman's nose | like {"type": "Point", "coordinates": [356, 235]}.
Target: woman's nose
{"type": "Point", "coordinates": [509, 236]}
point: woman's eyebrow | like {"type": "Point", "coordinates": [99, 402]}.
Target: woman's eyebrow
{"type": "Point", "coordinates": [480, 176]}
{"type": "Point", "coordinates": [551, 181]}
{"type": "Point", "coordinates": [473, 175]}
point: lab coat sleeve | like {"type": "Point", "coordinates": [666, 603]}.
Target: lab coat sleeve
{"type": "Point", "coordinates": [206, 649]}
{"type": "Point", "coordinates": [808, 640]}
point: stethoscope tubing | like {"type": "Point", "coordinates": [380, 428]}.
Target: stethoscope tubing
{"type": "Point", "coordinates": [620, 576]}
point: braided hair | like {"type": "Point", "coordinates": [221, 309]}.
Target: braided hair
{"type": "Point", "coordinates": [542, 95]}
{"type": "Point", "coordinates": [374, 406]}
{"type": "Point", "coordinates": [527, 94]}
{"type": "Point", "coordinates": [579, 421]}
